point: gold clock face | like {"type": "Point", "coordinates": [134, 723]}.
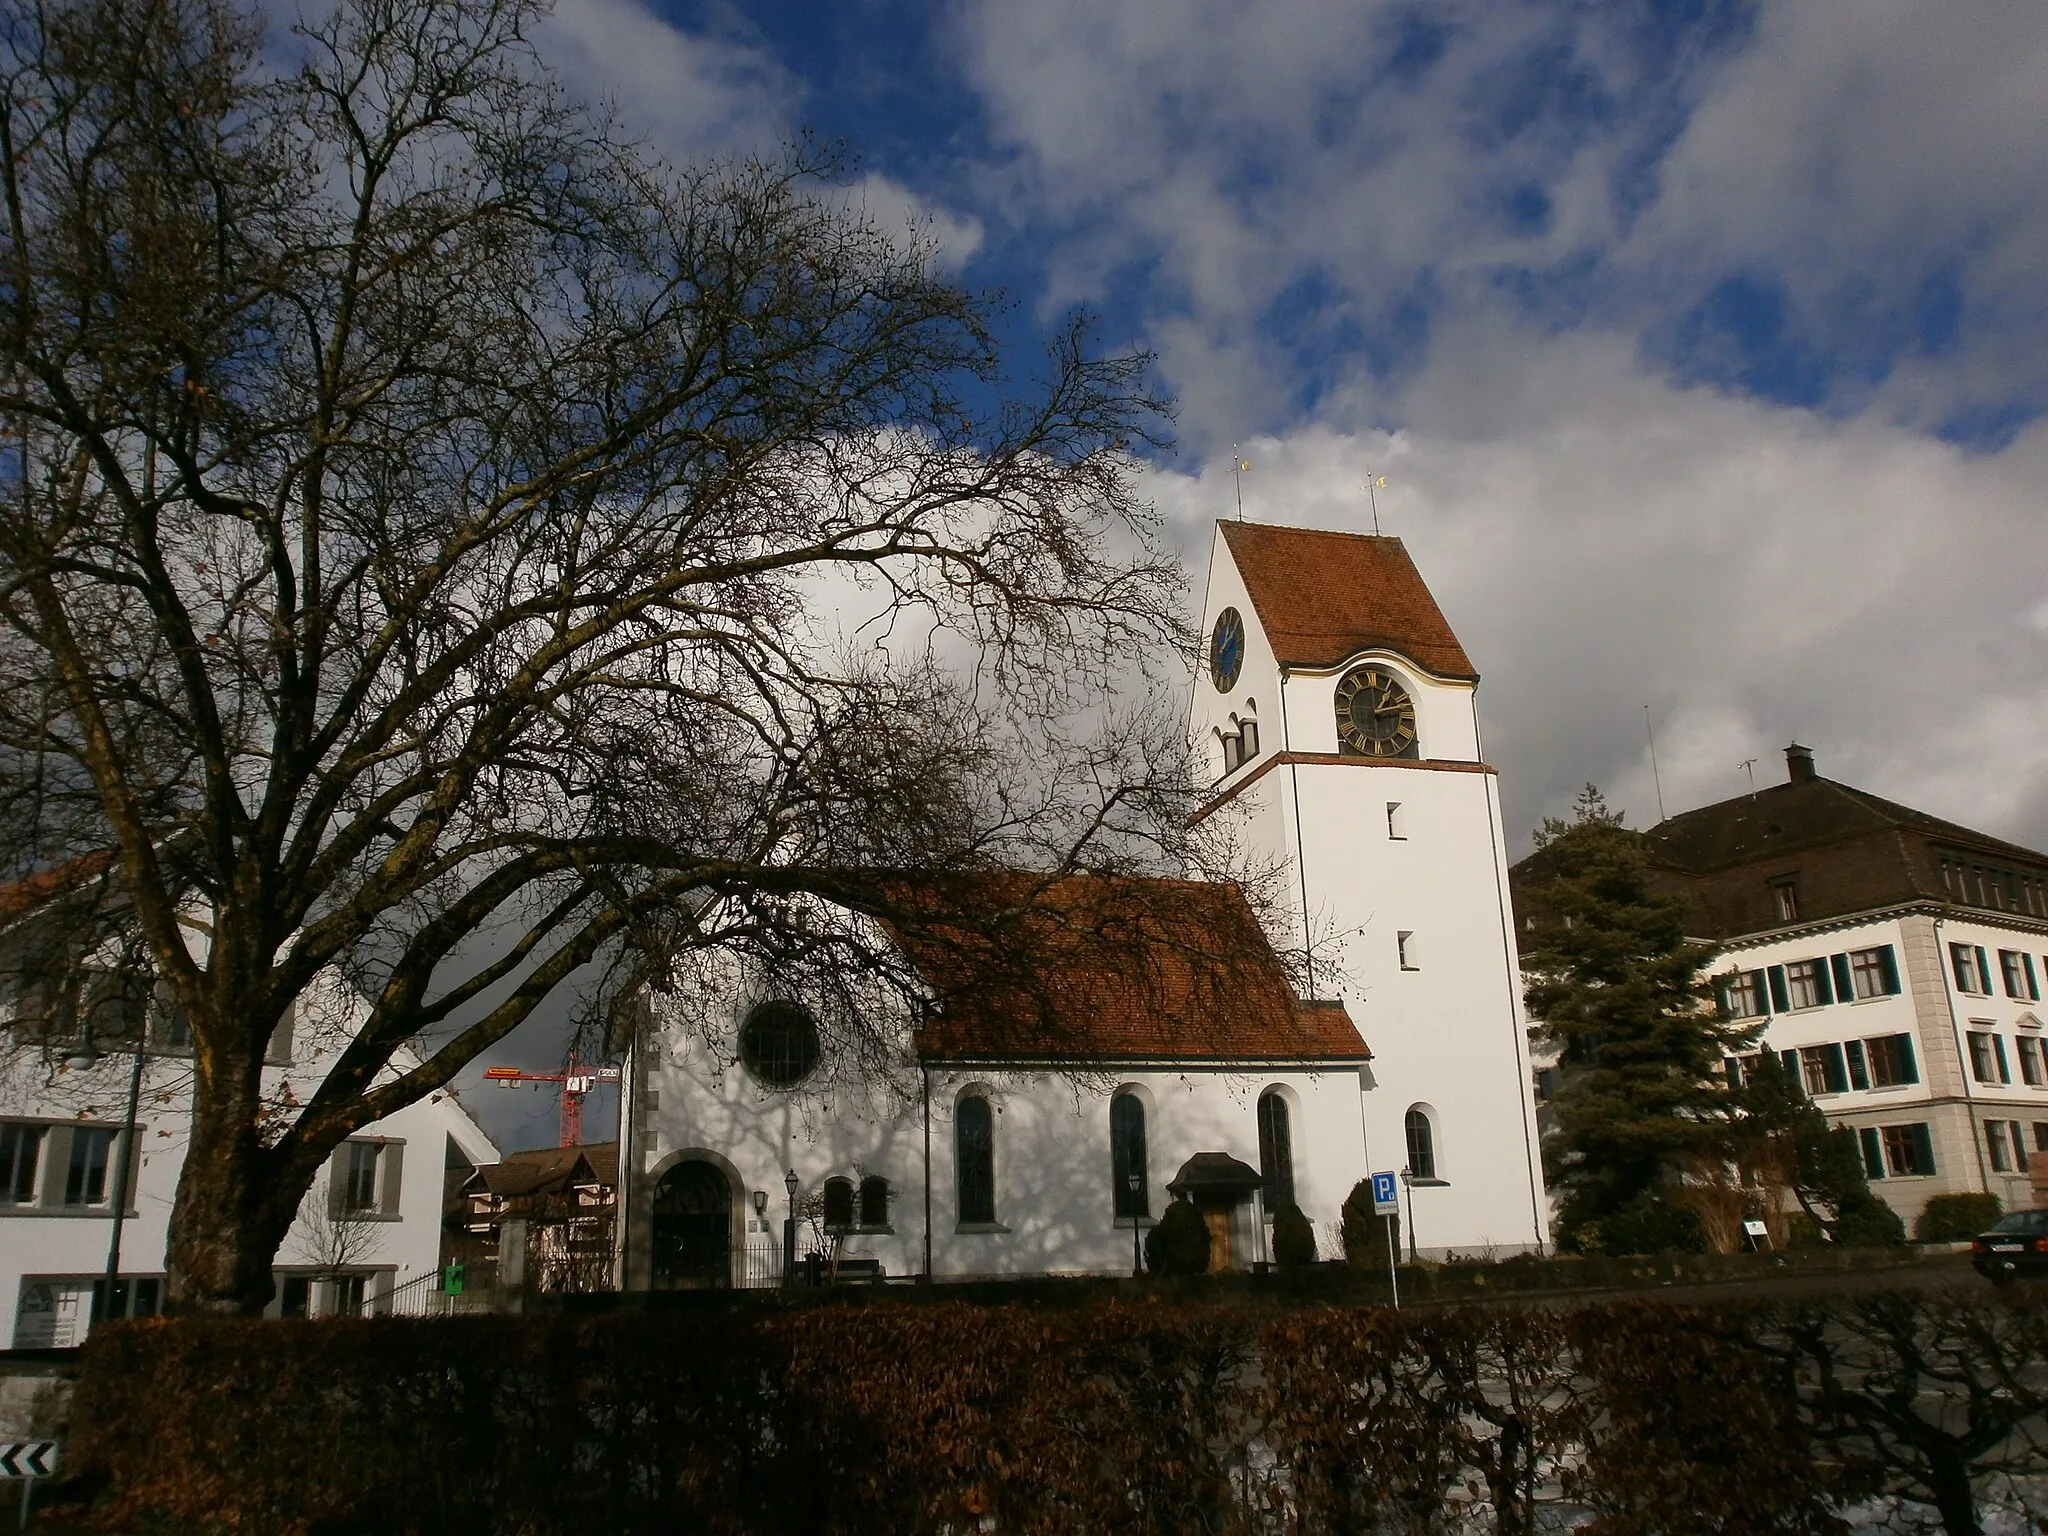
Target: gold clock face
{"type": "Point", "coordinates": [1375, 716]}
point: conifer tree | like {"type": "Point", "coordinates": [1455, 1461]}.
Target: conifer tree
{"type": "Point", "coordinates": [1616, 989]}
{"type": "Point", "coordinates": [1820, 1162]}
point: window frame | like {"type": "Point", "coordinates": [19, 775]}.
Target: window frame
{"type": "Point", "coordinates": [1129, 1153]}
{"type": "Point", "coordinates": [1418, 1116]}
{"type": "Point", "coordinates": [1276, 1149]}
{"type": "Point", "coordinates": [974, 1205]}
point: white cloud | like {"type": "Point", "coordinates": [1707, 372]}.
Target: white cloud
{"type": "Point", "coordinates": [953, 238]}
{"type": "Point", "coordinates": [687, 95]}
{"type": "Point", "coordinates": [1602, 540]}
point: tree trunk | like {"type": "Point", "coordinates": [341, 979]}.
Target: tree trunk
{"type": "Point", "coordinates": [233, 1210]}
{"type": "Point", "coordinates": [1949, 1477]}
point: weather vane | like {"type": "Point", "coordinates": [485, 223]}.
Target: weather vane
{"type": "Point", "coordinates": [1374, 484]}
{"type": "Point", "coordinates": [1239, 468]}
{"type": "Point", "coordinates": [1748, 766]}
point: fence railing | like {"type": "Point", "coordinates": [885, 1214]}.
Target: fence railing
{"type": "Point", "coordinates": [420, 1296]}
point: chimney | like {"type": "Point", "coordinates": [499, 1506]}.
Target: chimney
{"type": "Point", "coordinates": [1799, 763]}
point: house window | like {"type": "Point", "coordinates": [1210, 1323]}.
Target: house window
{"type": "Point", "coordinates": [295, 1296]}
{"type": "Point", "coordinates": [1396, 822]}
{"type": "Point", "coordinates": [1821, 1069]}
{"type": "Point", "coordinates": [359, 1177]}
{"type": "Point", "coordinates": [1276, 1151]}
{"type": "Point", "coordinates": [1908, 1150]}
{"type": "Point", "coordinates": [779, 1043]}
{"type": "Point", "coordinates": [1404, 946]}
{"type": "Point", "coordinates": [2032, 1062]}
{"type": "Point", "coordinates": [1873, 972]}
{"type": "Point", "coordinates": [1972, 975]}
{"type": "Point", "coordinates": [85, 1179]}
{"type": "Point", "coordinates": [1745, 994]}
{"type": "Point", "coordinates": [838, 1205]}
{"type": "Point", "coordinates": [1785, 900]}
{"type": "Point", "coordinates": [2020, 981]}
{"type": "Point", "coordinates": [874, 1203]}
{"type": "Point", "coordinates": [1891, 1061]}
{"type": "Point", "coordinates": [1807, 983]}
{"type": "Point", "coordinates": [1987, 1058]}
{"type": "Point", "coordinates": [1998, 1144]}
{"type": "Point", "coordinates": [21, 1155]}
{"type": "Point", "coordinates": [2041, 1135]}
{"type": "Point", "coordinates": [347, 1296]}
{"type": "Point", "coordinates": [974, 1137]}
{"type": "Point", "coordinates": [1421, 1145]}
{"type": "Point", "coordinates": [1129, 1193]}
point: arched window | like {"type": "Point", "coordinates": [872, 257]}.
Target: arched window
{"type": "Point", "coordinates": [1276, 1151]}
{"type": "Point", "coordinates": [974, 1139]}
{"type": "Point", "coordinates": [1130, 1195]}
{"type": "Point", "coordinates": [838, 1204]}
{"type": "Point", "coordinates": [874, 1201]}
{"type": "Point", "coordinates": [1421, 1145]}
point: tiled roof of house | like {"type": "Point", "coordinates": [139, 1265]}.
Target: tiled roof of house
{"type": "Point", "coordinates": [1323, 596]}
{"type": "Point", "coordinates": [1802, 813]}
{"type": "Point", "coordinates": [23, 896]}
{"type": "Point", "coordinates": [1095, 969]}
{"type": "Point", "coordinates": [526, 1173]}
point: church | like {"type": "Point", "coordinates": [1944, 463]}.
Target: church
{"type": "Point", "coordinates": [1338, 713]}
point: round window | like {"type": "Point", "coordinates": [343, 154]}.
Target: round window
{"type": "Point", "coordinates": [779, 1043]}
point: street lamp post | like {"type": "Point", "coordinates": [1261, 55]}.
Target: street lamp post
{"type": "Point", "coordinates": [1137, 1182]}
{"type": "Point", "coordinates": [789, 1232]}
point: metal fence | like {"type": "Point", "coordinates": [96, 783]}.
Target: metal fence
{"type": "Point", "coordinates": [761, 1264]}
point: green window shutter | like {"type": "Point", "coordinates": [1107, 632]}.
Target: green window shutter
{"type": "Point", "coordinates": [1791, 1061]}
{"type": "Point", "coordinates": [1909, 1069]}
{"type": "Point", "coordinates": [2033, 986]}
{"type": "Point", "coordinates": [1762, 984]}
{"type": "Point", "coordinates": [1822, 981]}
{"type": "Point", "coordinates": [1859, 1069]}
{"type": "Point", "coordinates": [1923, 1149]}
{"type": "Point", "coordinates": [1984, 971]}
{"type": "Point", "coordinates": [1873, 1152]}
{"type": "Point", "coordinates": [1998, 1049]}
{"type": "Point", "coordinates": [1890, 964]}
{"type": "Point", "coordinates": [1837, 1073]}
{"type": "Point", "coordinates": [1845, 988]}
{"type": "Point", "coordinates": [1781, 995]}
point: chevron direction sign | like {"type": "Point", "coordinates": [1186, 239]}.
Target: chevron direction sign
{"type": "Point", "coordinates": [28, 1458]}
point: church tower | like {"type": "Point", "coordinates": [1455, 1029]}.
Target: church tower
{"type": "Point", "coordinates": [1339, 715]}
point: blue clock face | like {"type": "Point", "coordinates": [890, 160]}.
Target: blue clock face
{"type": "Point", "coordinates": [1226, 650]}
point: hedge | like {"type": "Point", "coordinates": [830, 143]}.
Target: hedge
{"type": "Point", "coordinates": [1149, 1417]}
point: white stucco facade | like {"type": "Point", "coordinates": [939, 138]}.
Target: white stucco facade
{"type": "Point", "coordinates": [1974, 1116]}
{"type": "Point", "coordinates": [61, 1171]}
{"type": "Point", "coordinates": [1398, 871]}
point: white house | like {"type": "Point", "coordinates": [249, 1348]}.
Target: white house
{"type": "Point", "coordinates": [1002, 1140]}
{"type": "Point", "coordinates": [1895, 961]}
{"type": "Point", "coordinates": [371, 1225]}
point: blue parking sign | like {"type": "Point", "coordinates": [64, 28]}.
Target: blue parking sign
{"type": "Point", "coordinates": [1386, 1199]}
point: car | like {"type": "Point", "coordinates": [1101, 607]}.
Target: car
{"type": "Point", "coordinates": [2015, 1245]}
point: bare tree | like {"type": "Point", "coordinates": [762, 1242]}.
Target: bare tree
{"type": "Point", "coordinates": [421, 527]}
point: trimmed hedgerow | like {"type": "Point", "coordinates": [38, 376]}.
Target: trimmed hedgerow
{"type": "Point", "coordinates": [1148, 1418]}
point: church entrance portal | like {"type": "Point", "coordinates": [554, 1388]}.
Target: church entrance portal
{"type": "Point", "coordinates": [692, 1229]}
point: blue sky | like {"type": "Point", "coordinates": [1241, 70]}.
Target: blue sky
{"type": "Point", "coordinates": [1705, 345]}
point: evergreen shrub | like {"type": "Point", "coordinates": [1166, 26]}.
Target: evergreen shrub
{"type": "Point", "coordinates": [1365, 1235]}
{"type": "Point", "coordinates": [1953, 1218]}
{"type": "Point", "coordinates": [1179, 1244]}
{"type": "Point", "coordinates": [1294, 1238]}
{"type": "Point", "coordinates": [1646, 1225]}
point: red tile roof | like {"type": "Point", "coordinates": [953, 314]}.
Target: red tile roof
{"type": "Point", "coordinates": [1322, 597]}
{"type": "Point", "coordinates": [1089, 968]}
{"type": "Point", "coordinates": [31, 891]}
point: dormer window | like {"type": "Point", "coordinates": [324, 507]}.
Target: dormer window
{"type": "Point", "coordinates": [1785, 900]}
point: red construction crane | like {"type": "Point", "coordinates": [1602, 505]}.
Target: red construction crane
{"type": "Point", "coordinates": [576, 1080]}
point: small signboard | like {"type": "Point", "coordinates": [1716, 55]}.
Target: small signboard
{"type": "Point", "coordinates": [451, 1280]}
{"type": "Point", "coordinates": [1386, 1195]}
{"type": "Point", "coordinates": [1756, 1229]}
{"type": "Point", "coordinates": [28, 1458]}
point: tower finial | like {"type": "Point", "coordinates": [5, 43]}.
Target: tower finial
{"type": "Point", "coordinates": [1374, 484]}
{"type": "Point", "coordinates": [1239, 467]}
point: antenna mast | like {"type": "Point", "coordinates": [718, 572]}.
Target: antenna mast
{"type": "Point", "coordinates": [1655, 777]}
